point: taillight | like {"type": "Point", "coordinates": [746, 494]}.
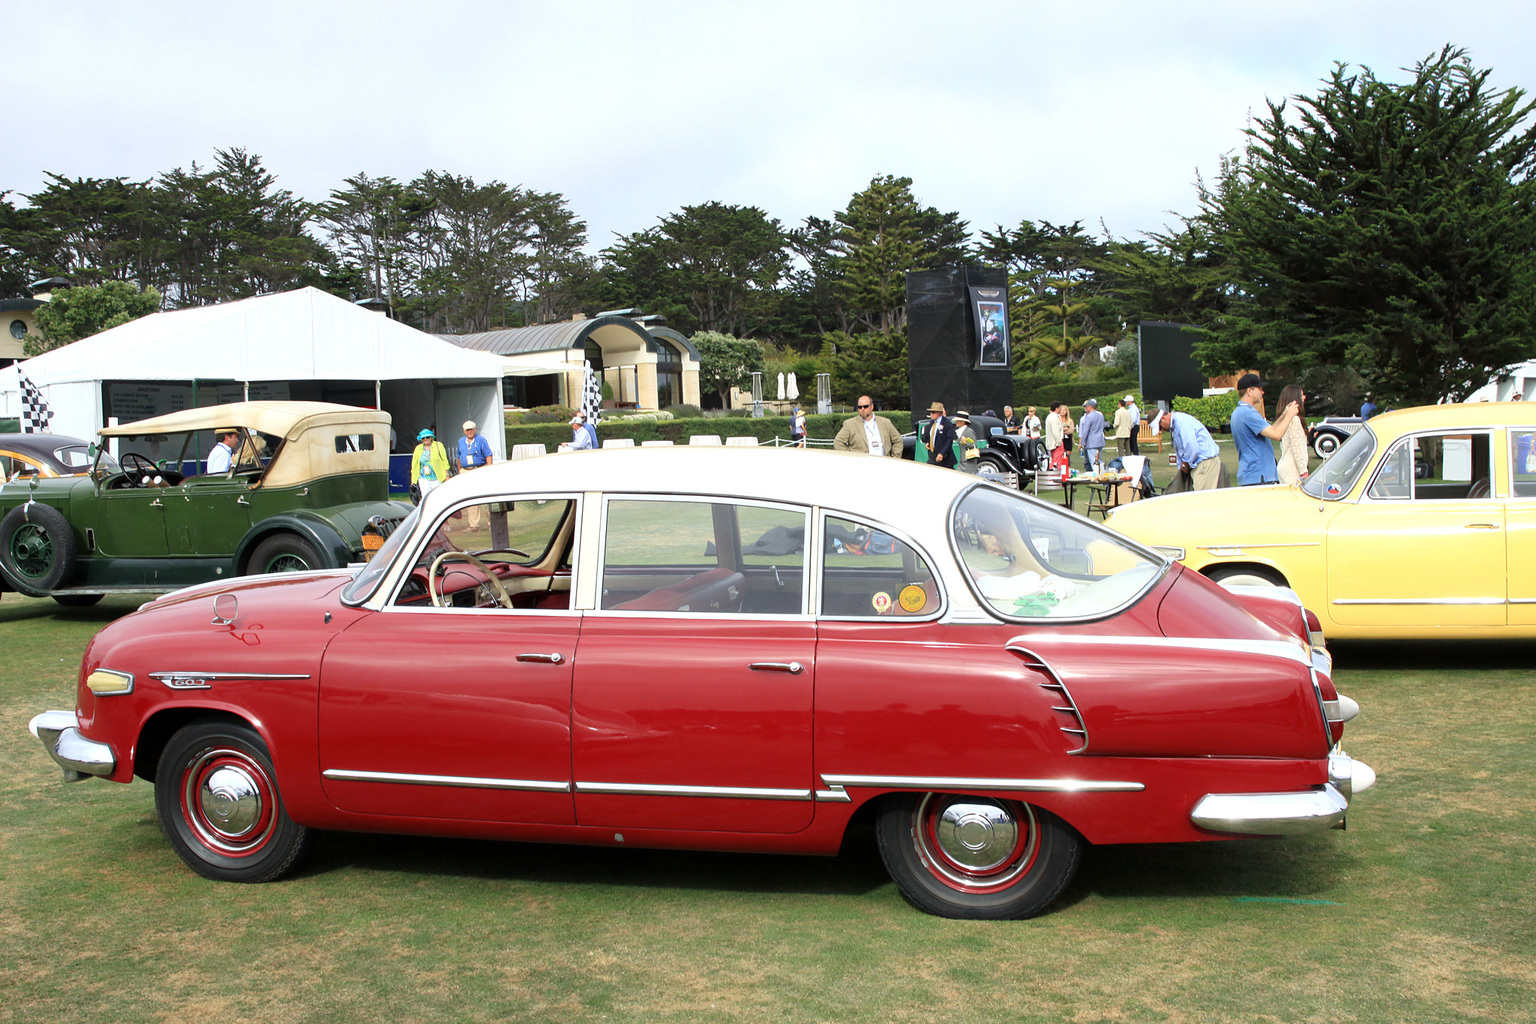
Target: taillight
{"type": "Point", "coordinates": [1314, 628]}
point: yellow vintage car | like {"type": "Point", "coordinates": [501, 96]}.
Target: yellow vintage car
{"type": "Point", "coordinates": [1423, 524]}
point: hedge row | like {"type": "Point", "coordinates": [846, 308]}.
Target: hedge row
{"type": "Point", "coordinates": [678, 431]}
{"type": "Point", "coordinates": [1214, 411]}
{"type": "Point", "coordinates": [1075, 394]}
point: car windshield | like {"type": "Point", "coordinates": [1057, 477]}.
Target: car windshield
{"type": "Point", "coordinates": [1029, 559]}
{"type": "Point", "coordinates": [368, 576]}
{"type": "Point", "coordinates": [1337, 475]}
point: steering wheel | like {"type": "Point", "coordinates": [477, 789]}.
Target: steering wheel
{"type": "Point", "coordinates": [136, 464]}
{"type": "Point", "coordinates": [492, 583]}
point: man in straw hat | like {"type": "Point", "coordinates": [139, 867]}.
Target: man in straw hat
{"type": "Point", "coordinates": [940, 437]}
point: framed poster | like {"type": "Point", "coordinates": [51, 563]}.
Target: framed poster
{"type": "Point", "coordinates": [989, 307]}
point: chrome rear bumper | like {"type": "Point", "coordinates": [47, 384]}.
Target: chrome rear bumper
{"type": "Point", "coordinates": [1287, 814]}
{"type": "Point", "coordinates": [79, 757]}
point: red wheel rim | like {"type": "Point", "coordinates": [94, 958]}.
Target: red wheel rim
{"type": "Point", "coordinates": [973, 844]}
{"type": "Point", "coordinates": [229, 802]}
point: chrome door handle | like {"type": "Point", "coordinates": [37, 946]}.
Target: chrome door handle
{"type": "Point", "coordinates": [794, 668]}
{"type": "Point", "coordinates": [241, 500]}
{"type": "Point", "coordinates": [157, 503]}
{"type": "Point", "coordinates": [547, 659]}
{"type": "Point", "coordinates": [1482, 526]}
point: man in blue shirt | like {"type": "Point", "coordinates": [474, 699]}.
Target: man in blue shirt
{"type": "Point", "coordinates": [1252, 433]}
{"type": "Point", "coordinates": [1193, 446]}
{"type": "Point", "coordinates": [474, 450]}
{"type": "Point", "coordinates": [1091, 430]}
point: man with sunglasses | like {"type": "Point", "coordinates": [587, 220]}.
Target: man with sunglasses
{"type": "Point", "coordinates": [867, 433]}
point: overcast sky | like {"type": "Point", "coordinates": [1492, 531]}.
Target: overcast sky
{"type": "Point", "coordinates": [1000, 111]}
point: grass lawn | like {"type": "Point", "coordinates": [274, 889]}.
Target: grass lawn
{"type": "Point", "coordinates": [1421, 911]}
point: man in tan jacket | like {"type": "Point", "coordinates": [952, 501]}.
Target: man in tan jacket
{"type": "Point", "coordinates": [867, 433]}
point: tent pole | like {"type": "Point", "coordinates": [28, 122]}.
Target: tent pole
{"type": "Point", "coordinates": [378, 392]}
{"type": "Point", "coordinates": [247, 390]}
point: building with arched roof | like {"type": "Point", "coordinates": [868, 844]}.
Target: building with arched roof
{"type": "Point", "coordinates": [647, 367]}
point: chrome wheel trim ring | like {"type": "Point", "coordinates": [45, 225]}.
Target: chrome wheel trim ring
{"type": "Point", "coordinates": [229, 802]}
{"type": "Point", "coordinates": [974, 844]}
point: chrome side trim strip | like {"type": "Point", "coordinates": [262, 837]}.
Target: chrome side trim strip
{"type": "Point", "coordinates": [1522, 600]}
{"type": "Point", "coordinates": [837, 785]}
{"type": "Point", "coordinates": [727, 792]}
{"type": "Point", "coordinates": [1227, 547]}
{"type": "Point", "coordinates": [203, 680]}
{"type": "Point", "coordinates": [1420, 601]}
{"type": "Point", "coordinates": [346, 775]}
{"type": "Point", "coordinates": [1286, 650]}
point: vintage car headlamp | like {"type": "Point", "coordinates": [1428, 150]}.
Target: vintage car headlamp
{"type": "Point", "coordinates": [1175, 553]}
{"type": "Point", "coordinates": [104, 682]}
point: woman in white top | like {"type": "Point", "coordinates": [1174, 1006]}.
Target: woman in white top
{"type": "Point", "coordinates": [1292, 464]}
{"type": "Point", "coordinates": [1032, 424]}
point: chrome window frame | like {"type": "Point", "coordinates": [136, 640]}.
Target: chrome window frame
{"type": "Point", "coordinates": [1493, 491]}
{"type": "Point", "coordinates": [934, 570]}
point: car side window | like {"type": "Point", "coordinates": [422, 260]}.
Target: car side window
{"type": "Point", "coordinates": [866, 573]}
{"type": "Point", "coordinates": [1522, 450]}
{"type": "Point", "coordinates": [1437, 467]}
{"type": "Point", "coordinates": [703, 557]}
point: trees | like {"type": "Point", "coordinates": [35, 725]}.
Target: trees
{"type": "Point", "coordinates": [75, 313]}
{"type": "Point", "coordinates": [1389, 227]}
{"type": "Point", "coordinates": [726, 362]}
{"type": "Point", "coordinates": [712, 267]}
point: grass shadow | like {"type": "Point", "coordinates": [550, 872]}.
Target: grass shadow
{"type": "Point", "coordinates": [854, 871]}
{"type": "Point", "coordinates": [1432, 655]}
{"type": "Point", "coordinates": [1294, 868]}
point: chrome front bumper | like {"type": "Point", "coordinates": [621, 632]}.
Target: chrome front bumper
{"type": "Point", "coordinates": [1287, 814]}
{"type": "Point", "coordinates": [79, 757]}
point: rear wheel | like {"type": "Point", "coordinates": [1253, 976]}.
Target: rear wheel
{"type": "Point", "coordinates": [216, 794]}
{"type": "Point", "coordinates": [976, 857]}
{"type": "Point", "coordinates": [1247, 576]}
{"type": "Point", "coordinates": [284, 552]}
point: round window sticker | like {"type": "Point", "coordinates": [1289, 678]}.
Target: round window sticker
{"type": "Point", "coordinates": [1333, 490]}
{"type": "Point", "coordinates": [912, 598]}
{"type": "Point", "coordinates": [881, 601]}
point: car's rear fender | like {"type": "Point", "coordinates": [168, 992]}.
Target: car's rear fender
{"type": "Point", "coordinates": [333, 548]}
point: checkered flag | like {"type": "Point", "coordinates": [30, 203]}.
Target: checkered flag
{"type": "Point", "coordinates": [591, 396]}
{"type": "Point", "coordinates": [35, 414]}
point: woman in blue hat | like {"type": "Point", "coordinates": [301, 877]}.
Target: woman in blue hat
{"type": "Point", "coordinates": [429, 463]}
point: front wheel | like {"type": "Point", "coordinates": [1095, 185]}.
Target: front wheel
{"type": "Point", "coordinates": [976, 857]}
{"type": "Point", "coordinates": [216, 794]}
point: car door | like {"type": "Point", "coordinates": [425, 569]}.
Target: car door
{"type": "Point", "coordinates": [1425, 546]}
{"type": "Point", "coordinates": [462, 710]}
{"type": "Point", "coordinates": [693, 687]}
{"type": "Point", "coordinates": [1520, 526]}
{"type": "Point", "coordinates": [207, 515]}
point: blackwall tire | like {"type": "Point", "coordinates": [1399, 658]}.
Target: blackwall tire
{"type": "Point", "coordinates": [283, 552]}
{"type": "Point", "coordinates": [37, 549]}
{"type": "Point", "coordinates": [217, 798]}
{"type": "Point", "coordinates": [974, 857]}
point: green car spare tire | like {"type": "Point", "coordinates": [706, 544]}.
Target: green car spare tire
{"type": "Point", "coordinates": [37, 549]}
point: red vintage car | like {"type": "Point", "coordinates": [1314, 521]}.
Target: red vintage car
{"type": "Point", "coordinates": [726, 649]}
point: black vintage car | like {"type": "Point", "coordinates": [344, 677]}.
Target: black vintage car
{"type": "Point", "coordinates": [1012, 457]}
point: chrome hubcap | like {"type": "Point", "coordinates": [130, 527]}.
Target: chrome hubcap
{"type": "Point", "coordinates": [977, 836]}
{"type": "Point", "coordinates": [973, 844]}
{"type": "Point", "coordinates": [229, 802]}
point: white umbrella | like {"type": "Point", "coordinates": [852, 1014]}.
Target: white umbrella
{"type": "Point", "coordinates": [781, 387]}
{"type": "Point", "coordinates": [793, 389]}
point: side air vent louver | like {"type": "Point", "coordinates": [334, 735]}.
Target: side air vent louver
{"type": "Point", "coordinates": [1072, 723]}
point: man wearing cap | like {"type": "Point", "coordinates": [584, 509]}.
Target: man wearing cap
{"type": "Point", "coordinates": [940, 437]}
{"type": "Point", "coordinates": [1123, 426]}
{"type": "Point", "coordinates": [223, 454]}
{"type": "Point", "coordinates": [1194, 448]}
{"type": "Point", "coordinates": [581, 441]}
{"type": "Point", "coordinates": [1252, 433]}
{"type": "Point", "coordinates": [474, 450]}
{"type": "Point", "coordinates": [1091, 431]}
{"type": "Point", "coordinates": [867, 433]}
{"type": "Point", "coordinates": [429, 463]}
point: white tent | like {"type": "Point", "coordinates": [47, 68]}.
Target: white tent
{"type": "Point", "coordinates": [300, 345]}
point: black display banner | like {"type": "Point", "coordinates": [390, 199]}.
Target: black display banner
{"type": "Point", "coordinates": [989, 307]}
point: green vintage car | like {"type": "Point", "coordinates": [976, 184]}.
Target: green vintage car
{"type": "Point", "coordinates": [307, 487]}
